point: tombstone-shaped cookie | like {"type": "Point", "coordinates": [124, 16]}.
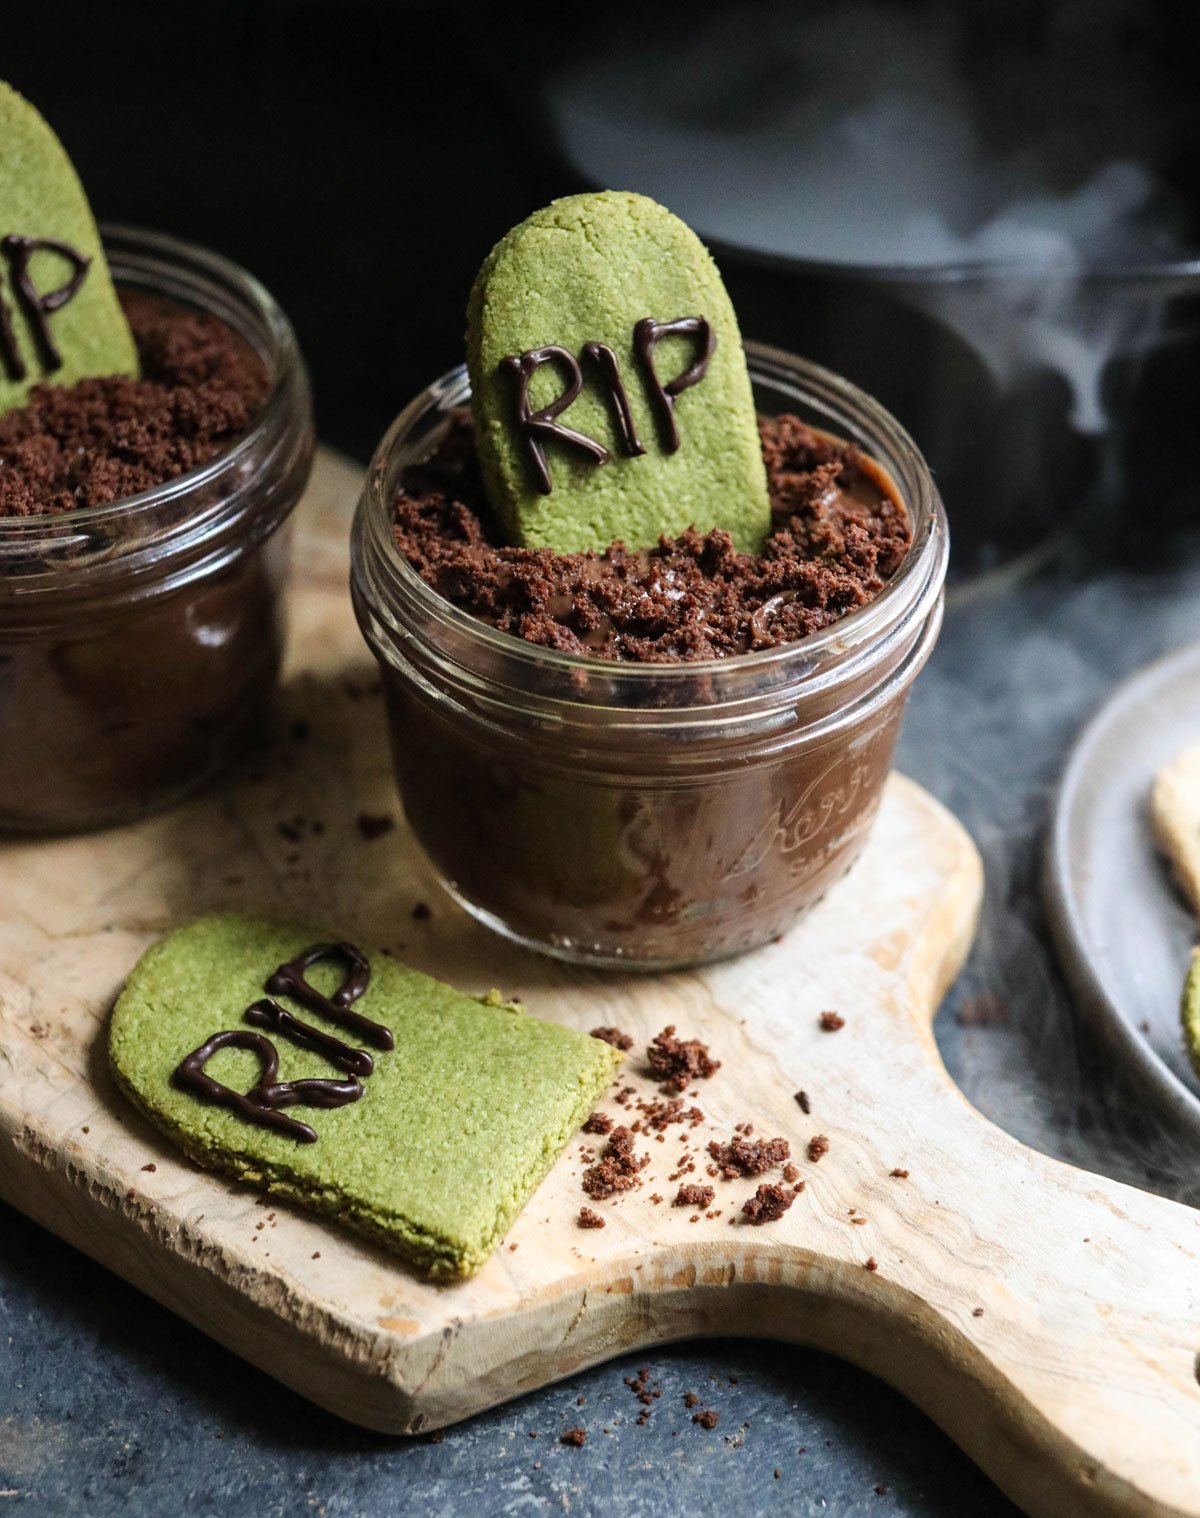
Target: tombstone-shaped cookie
{"type": "Point", "coordinates": [406, 1110]}
{"type": "Point", "coordinates": [60, 319]}
{"type": "Point", "coordinates": [610, 390]}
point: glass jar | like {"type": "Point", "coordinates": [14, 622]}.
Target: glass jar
{"type": "Point", "coordinates": [645, 815]}
{"type": "Point", "coordinates": [140, 642]}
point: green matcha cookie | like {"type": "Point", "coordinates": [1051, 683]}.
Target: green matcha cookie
{"type": "Point", "coordinates": [1190, 1011]}
{"type": "Point", "coordinates": [451, 1132]}
{"type": "Point", "coordinates": [603, 317]}
{"type": "Point", "coordinates": [60, 319]}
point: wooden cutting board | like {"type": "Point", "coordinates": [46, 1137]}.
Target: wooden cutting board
{"type": "Point", "coordinates": [1048, 1319]}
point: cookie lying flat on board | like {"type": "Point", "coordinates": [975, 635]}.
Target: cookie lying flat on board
{"type": "Point", "coordinates": [60, 319]}
{"type": "Point", "coordinates": [413, 1114]}
{"type": "Point", "coordinates": [1175, 815]}
{"type": "Point", "coordinates": [609, 385]}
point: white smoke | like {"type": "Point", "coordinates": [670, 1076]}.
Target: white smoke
{"type": "Point", "coordinates": [881, 137]}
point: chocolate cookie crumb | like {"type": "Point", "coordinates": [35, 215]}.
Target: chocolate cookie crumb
{"type": "Point", "coordinates": [574, 1436]}
{"type": "Point", "coordinates": [983, 1011]}
{"type": "Point", "coordinates": [977, 1312]}
{"type": "Point", "coordinates": [599, 1122]}
{"type": "Point", "coordinates": [690, 1399]}
{"type": "Point", "coordinates": [590, 1219]}
{"type": "Point", "coordinates": [617, 1169]}
{"type": "Point", "coordinates": [100, 440]}
{"type": "Point", "coordinates": [615, 1037]}
{"type": "Point", "coordinates": [677, 1062]}
{"type": "Point", "coordinates": [790, 1173]}
{"type": "Point", "coordinates": [818, 1146]}
{"type": "Point", "coordinates": [832, 1021]}
{"type": "Point", "coordinates": [149, 1167]}
{"type": "Point", "coordinates": [872, 1263]}
{"type": "Point", "coordinates": [839, 533]}
{"type": "Point", "coordinates": [900, 1174]}
{"type": "Point", "coordinates": [709, 1418]}
{"type": "Point", "coordinates": [693, 1195]}
{"type": "Point", "coordinates": [768, 1204]}
{"type": "Point", "coordinates": [744, 1156]}
{"type": "Point", "coordinates": [371, 827]}
{"type": "Point", "coordinates": [803, 1101]}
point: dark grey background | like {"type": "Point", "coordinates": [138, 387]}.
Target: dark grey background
{"type": "Point", "coordinates": [361, 158]}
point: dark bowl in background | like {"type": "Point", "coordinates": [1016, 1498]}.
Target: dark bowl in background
{"type": "Point", "coordinates": [1017, 478]}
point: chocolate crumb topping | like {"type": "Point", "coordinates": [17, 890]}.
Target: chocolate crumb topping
{"type": "Point", "coordinates": [615, 1037]}
{"type": "Point", "coordinates": [768, 1204]}
{"type": "Point", "coordinates": [746, 1156]}
{"type": "Point", "coordinates": [617, 1169]}
{"type": "Point", "coordinates": [709, 1418]}
{"type": "Point", "coordinates": [839, 533]}
{"type": "Point", "coordinates": [677, 1062]}
{"type": "Point", "coordinates": [101, 440]}
{"type": "Point", "coordinates": [590, 1219]}
{"type": "Point", "coordinates": [599, 1122]}
{"type": "Point", "coordinates": [818, 1146]}
{"type": "Point", "coordinates": [693, 1195]}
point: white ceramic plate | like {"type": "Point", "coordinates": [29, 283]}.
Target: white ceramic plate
{"type": "Point", "coordinates": [1122, 929]}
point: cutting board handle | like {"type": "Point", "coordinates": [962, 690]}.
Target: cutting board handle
{"type": "Point", "coordinates": [1047, 1318]}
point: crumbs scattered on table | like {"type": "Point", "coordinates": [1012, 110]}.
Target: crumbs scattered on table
{"type": "Point", "coordinates": [831, 1022]}
{"type": "Point", "coordinates": [872, 1263]}
{"type": "Point", "coordinates": [615, 1037]}
{"type": "Point", "coordinates": [422, 912]}
{"type": "Point", "coordinates": [574, 1436]}
{"type": "Point", "coordinates": [803, 1102]}
{"type": "Point", "coordinates": [590, 1219]}
{"type": "Point", "coordinates": [617, 1169]}
{"type": "Point", "coordinates": [745, 1156]}
{"type": "Point", "coordinates": [599, 1122]}
{"type": "Point", "coordinates": [900, 1174]}
{"type": "Point", "coordinates": [984, 1011]}
{"type": "Point", "coordinates": [768, 1204]}
{"type": "Point", "coordinates": [818, 1146]}
{"type": "Point", "coordinates": [676, 1062]}
{"type": "Point", "coordinates": [693, 1195]}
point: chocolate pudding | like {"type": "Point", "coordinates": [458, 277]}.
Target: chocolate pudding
{"type": "Point", "coordinates": [652, 758]}
{"type": "Point", "coordinates": [140, 640]}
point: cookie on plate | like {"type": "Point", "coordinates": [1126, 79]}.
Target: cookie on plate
{"type": "Point", "coordinates": [1175, 815]}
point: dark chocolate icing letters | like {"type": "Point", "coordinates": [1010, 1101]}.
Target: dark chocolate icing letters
{"type": "Point", "coordinates": [646, 336]}
{"type": "Point", "coordinates": [261, 1103]}
{"type": "Point", "coordinates": [534, 426]}
{"type": "Point", "coordinates": [20, 250]}
{"type": "Point", "coordinates": [289, 980]}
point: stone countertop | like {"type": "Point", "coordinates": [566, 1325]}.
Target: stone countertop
{"type": "Point", "coordinates": [109, 1404]}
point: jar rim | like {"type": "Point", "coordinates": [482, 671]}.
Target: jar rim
{"type": "Point", "coordinates": [917, 581]}
{"type": "Point", "coordinates": [47, 529]}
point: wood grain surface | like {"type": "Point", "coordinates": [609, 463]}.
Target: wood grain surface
{"type": "Point", "coordinates": [1048, 1319]}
